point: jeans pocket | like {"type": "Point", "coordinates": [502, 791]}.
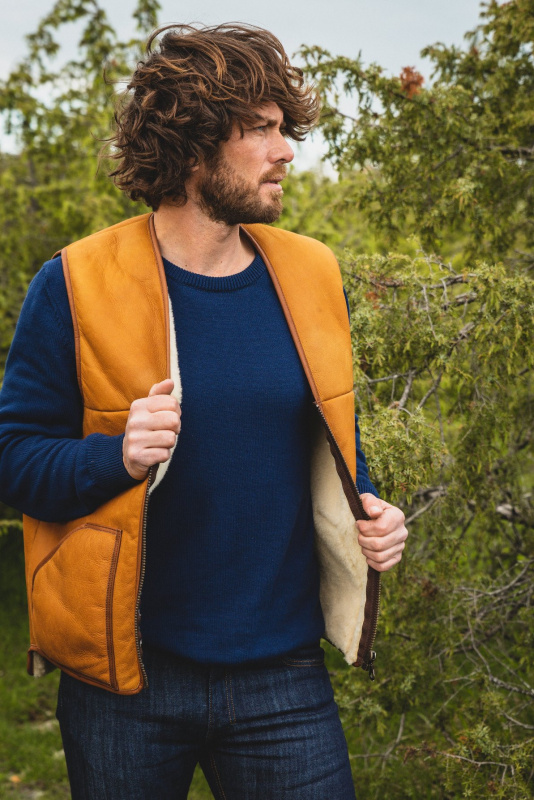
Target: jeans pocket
{"type": "Point", "coordinates": [307, 656]}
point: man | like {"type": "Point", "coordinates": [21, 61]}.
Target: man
{"type": "Point", "coordinates": [177, 423]}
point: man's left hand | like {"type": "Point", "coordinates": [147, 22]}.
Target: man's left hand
{"type": "Point", "coordinates": [383, 536]}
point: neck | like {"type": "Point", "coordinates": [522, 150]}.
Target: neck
{"type": "Point", "coordinates": [188, 238]}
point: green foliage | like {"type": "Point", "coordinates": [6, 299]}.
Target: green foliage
{"type": "Point", "coordinates": [52, 191]}
{"type": "Point", "coordinates": [455, 158]}
{"type": "Point", "coordinates": [30, 744]}
{"type": "Point", "coordinates": [442, 366]}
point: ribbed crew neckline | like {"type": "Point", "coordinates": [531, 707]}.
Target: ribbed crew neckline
{"type": "Point", "coordinates": [209, 283]}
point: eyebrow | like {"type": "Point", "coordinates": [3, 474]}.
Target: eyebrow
{"type": "Point", "coordinates": [271, 122]}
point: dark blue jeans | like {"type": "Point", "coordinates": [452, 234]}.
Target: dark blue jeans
{"type": "Point", "coordinates": [260, 732]}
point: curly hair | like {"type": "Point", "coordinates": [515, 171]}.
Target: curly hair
{"type": "Point", "coordinates": [185, 97]}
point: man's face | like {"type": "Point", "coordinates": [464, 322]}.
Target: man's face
{"type": "Point", "coordinates": [241, 183]}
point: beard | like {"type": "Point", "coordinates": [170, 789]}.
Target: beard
{"type": "Point", "coordinates": [225, 197]}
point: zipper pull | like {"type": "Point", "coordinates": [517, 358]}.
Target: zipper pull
{"type": "Point", "coordinates": [369, 665]}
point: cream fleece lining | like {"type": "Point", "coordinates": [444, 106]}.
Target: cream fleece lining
{"type": "Point", "coordinates": [176, 392]}
{"type": "Point", "coordinates": [343, 567]}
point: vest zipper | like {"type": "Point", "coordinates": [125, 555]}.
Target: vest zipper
{"type": "Point", "coordinates": [373, 577]}
{"type": "Point", "coordinates": [151, 474]}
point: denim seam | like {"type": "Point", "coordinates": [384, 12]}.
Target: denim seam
{"type": "Point", "coordinates": [209, 707]}
{"type": "Point", "coordinates": [232, 698]}
{"type": "Point", "coordinates": [229, 697]}
{"type": "Point", "coordinates": [214, 768]}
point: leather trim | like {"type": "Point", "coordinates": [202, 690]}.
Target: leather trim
{"type": "Point", "coordinates": [79, 675]}
{"type": "Point", "coordinates": [68, 284]}
{"type": "Point", "coordinates": [287, 314]}
{"type": "Point", "coordinates": [62, 541]}
{"type": "Point", "coordinates": [163, 284]}
{"type": "Point", "coordinates": [109, 612]}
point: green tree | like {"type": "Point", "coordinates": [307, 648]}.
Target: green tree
{"type": "Point", "coordinates": [454, 159]}
{"type": "Point", "coordinates": [443, 366]}
{"type": "Point", "coordinates": [57, 116]}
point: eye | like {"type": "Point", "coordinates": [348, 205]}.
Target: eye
{"type": "Point", "coordinates": [260, 128]}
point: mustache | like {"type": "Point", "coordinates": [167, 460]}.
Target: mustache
{"type": "Point", "coordinates": [274, 175]}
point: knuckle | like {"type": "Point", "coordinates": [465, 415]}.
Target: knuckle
{"type": "Point", "coordinates": [136, 420]}
{"type": "Point", "coordinates": [367, 543]}
{"type": "Point", "coordinates": [136, 436]}
{"type": "Point", "coordinates": [381, 526]}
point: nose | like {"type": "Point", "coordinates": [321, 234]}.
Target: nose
{"type": "Point", "coordinates": [282, 150]}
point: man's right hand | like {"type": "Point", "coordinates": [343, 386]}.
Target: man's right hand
{"type": "Point", "coordinates": [151, 430]}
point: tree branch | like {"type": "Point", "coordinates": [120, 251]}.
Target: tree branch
{"type": "Point", "coordinates": [388, 377]}
{"type": "Point", "coordinates": [472, 761]}
{"type": "Point", "coordinates": [407, 389]}
{"type": "Point", "coordinates": [450, 157]}
{"type": "Point", "coordinates": [421, 511]}
{"type": "Point", "coordinates": [431, 391]}
{"type": "Point", "coordinates": [516, 721]}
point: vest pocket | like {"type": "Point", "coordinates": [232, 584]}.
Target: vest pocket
{"type": "Point", "coordinates": [72, 592]}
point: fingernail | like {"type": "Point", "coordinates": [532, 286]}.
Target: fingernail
{"type": "Point", "coordinates": [375, 510]}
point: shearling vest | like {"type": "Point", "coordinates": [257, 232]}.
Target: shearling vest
{"type": "Point", "coordinates": [84, 577]}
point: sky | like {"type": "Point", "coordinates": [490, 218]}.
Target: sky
{"type": "Point", "coordinates": [388, 32]}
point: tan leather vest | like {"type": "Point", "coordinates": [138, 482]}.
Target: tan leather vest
{"type": "Point", "coordinates": [84, 577]}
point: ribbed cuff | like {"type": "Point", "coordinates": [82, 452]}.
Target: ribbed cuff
{"type": "Point", "coordinates": [366, 486]}
{"type": "Point", "coordinates": [105, 464]}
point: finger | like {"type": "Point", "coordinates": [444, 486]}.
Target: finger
{"type": "Point", "coordinates": [154, 455]}
{"type": "Point", "coordinates": [143, 440]}
{"type": "Point", "coordinates": [384, 567]}
{"type": "Point", "coordinates": [381, 544]}
{"type": "Point", "coordinates": [372, 505]}
{"type": "Point", "coordinates": [138, 466]}
{"type": "Point", "coordinates": [165, 420]}
{"type": "Point", "coordinates": [382, 556]}
{"type": "Point", "coordinates": [390, 519]}
{"type": "Point", "coordinates": [163, 387]}
{"type": "Point", "coordinates": [162, 402]}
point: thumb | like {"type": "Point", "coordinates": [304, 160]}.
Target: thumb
{"type": "Point", "coordinates": [163, 387]}
{"type": "Point", "coordinates": [372, 505]}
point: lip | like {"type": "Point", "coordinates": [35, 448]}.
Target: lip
{"type": "Point", "coordinates": [273, 184]}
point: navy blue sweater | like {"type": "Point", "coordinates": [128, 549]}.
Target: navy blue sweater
{"type": "Point", "coordinates": [231, 569]}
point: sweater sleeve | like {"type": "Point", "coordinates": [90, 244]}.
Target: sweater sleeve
{"type": "Point", "coordinates": [363, 481]}
{"type": "Point", "coordinates": [47, 470]}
